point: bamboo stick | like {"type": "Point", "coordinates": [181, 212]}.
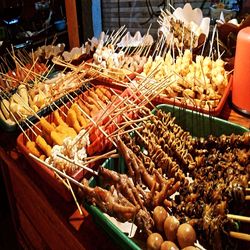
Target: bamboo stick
{"type": "Point", "coordinates": [73, 195]}
{"type": "Point", "coordinates": [239, 218]}
{"type": "Point", "coordinates": [77, 164]}
{"type": "Point", "coordinates": [240, 236]}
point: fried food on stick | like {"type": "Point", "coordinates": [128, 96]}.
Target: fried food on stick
{"type": "Point", "coordinates": [46, 126]}
{"type": "Point", "coordinates": [93, 109]}
{"type": "Point", "coordinates": [106, 92]}
{"type": "Point", "coordinates": [32, 148]}
{"type": "Point", "coordinates": [58, 119]}
{"type": "Point", "coordinates": [102, 96]}
{"type": "Point", "coordinates": [84, 107]}
{"type": "Point", "coordinates": [5, 107]}
{"type": "Point", "coordinates": [91, 100]}
{"type": "Point", "coordinates": [81, 119]}
{"type": "Point", "coordinates": [66, 130]}
{"type": "Point", "coordinates": [57, 137]}
{"type": "Point", "coordinates": [47, 138]}
{"type": "Point", "coordinates": [43, 145]}
{"type": "Point", "coordinates": [93, 95]}
{"type": "Point", "coordinates": [43, 157]}
{"type": "Point", "coordinates": [72, 120]}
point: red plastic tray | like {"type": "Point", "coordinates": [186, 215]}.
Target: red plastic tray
{"type": "Point", "coordinates": [46, 173]}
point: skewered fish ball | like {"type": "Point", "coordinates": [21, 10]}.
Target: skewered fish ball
{"type": "Point", "coordinates": [154, 241]}
{"type": "Point", "coordinates": [169, 245]}
{"type": "Point", "coordinates": [186, 235]}
{"type": "Point", "coordinates": [171, 225]}
{"type": "Point", "coordinates": [159, 216]}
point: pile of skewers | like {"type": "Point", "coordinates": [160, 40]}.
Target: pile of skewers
{"type": "Point", "coordinates": [26, 69]}
{"type": "Point", "coordinates": [200, 83]}
{"type": "Point", "coordinates": [111, 61]}
{"type": "Point", "coordinates": [63, 132]}
{"type": "Point", "coordinates": [172, 161]}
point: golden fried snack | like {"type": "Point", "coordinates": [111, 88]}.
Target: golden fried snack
{"type": "Point", "coordinates": [53, 125]}
{"type": "Point", "coordinates": [66, 130]}
{"type": "Point", "coordinates": [96, 98]}
{"type": "Point", "coordinates": [46, 126]}
{"type": "Point", "coordinates": [81, 119]}
{"type": "Point", "coordinates": [57, 137]}
{"type": "Point", "coordinates": [42, 144]}
{"type": "Point", "coordinates": [32, 148]}
{"type": "Point", "coordinates": [72, 120]}
{"type": "Point", "coordinates": [106, 92]}
{"type": "Point", "coordinates": [93, 109]}
{"type": "Point", "coordinates": [5, 107]}
{"type": "Point", "coordinates": [43, 157]}
{"type": "Point", "coordinates": [22, 91]}
{"type": "Point", "coordinates": [101, 96]}
{"type": "Point", "coordinates": [91, 100]}
{"type": "Point", "coordinates": [58, 119]}
{"type": "Point", "coordinates": [84, 107]}
{"type": "Point", "coordinates": [47, 138]}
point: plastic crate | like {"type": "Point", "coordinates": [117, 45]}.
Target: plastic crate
{"type": "Point", "coordinates": [200, 125]}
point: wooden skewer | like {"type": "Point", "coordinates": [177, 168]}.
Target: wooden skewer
{"type": "Point", "coordinates": [62, 180]}
{"type": "Point", "coordinates": [34, 125]}
{"type": "Point", "coordinates": [32, 130]}
{"type": "Point", "coordinates": [99, 157]}
{"type": "Point", "coordinates": [77, 164]}
{"type": "Point", "coordinates": [125, 131]}
{"type": "Point", "coordinates": [94, 156]}
{"type": "Point", "coordinates": [74, 196]}
{"type": "Point", "coordinates": [240, 236]}
{"type": "Point", "coordinates": [239, 218]}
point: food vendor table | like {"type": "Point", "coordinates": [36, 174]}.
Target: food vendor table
{"type": "Point", "coordinates": [41, 218]}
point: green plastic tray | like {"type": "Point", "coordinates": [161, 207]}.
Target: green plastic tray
{"type": "Point", "coordinates": [200, 125]}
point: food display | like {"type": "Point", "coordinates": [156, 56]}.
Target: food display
{"type": "Point", "coordinates": [15, 107]}
{"type": "Point", "coordinates": [185, 28]}
{"type": "Point", "coordinates": [28, 100]}
{"type": "Point", "coordinates": [199, 83]}
{"type": "Point", "coordinates": [154, 177]}
{"type": "Point", "coordinates": [176, 187]}
{"type": "Point", "coordinates": [65, 131]}
{"type": "Point", "coordinates": [115, 65]}
{"type": "Point", "coordinates": [21, 74]}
